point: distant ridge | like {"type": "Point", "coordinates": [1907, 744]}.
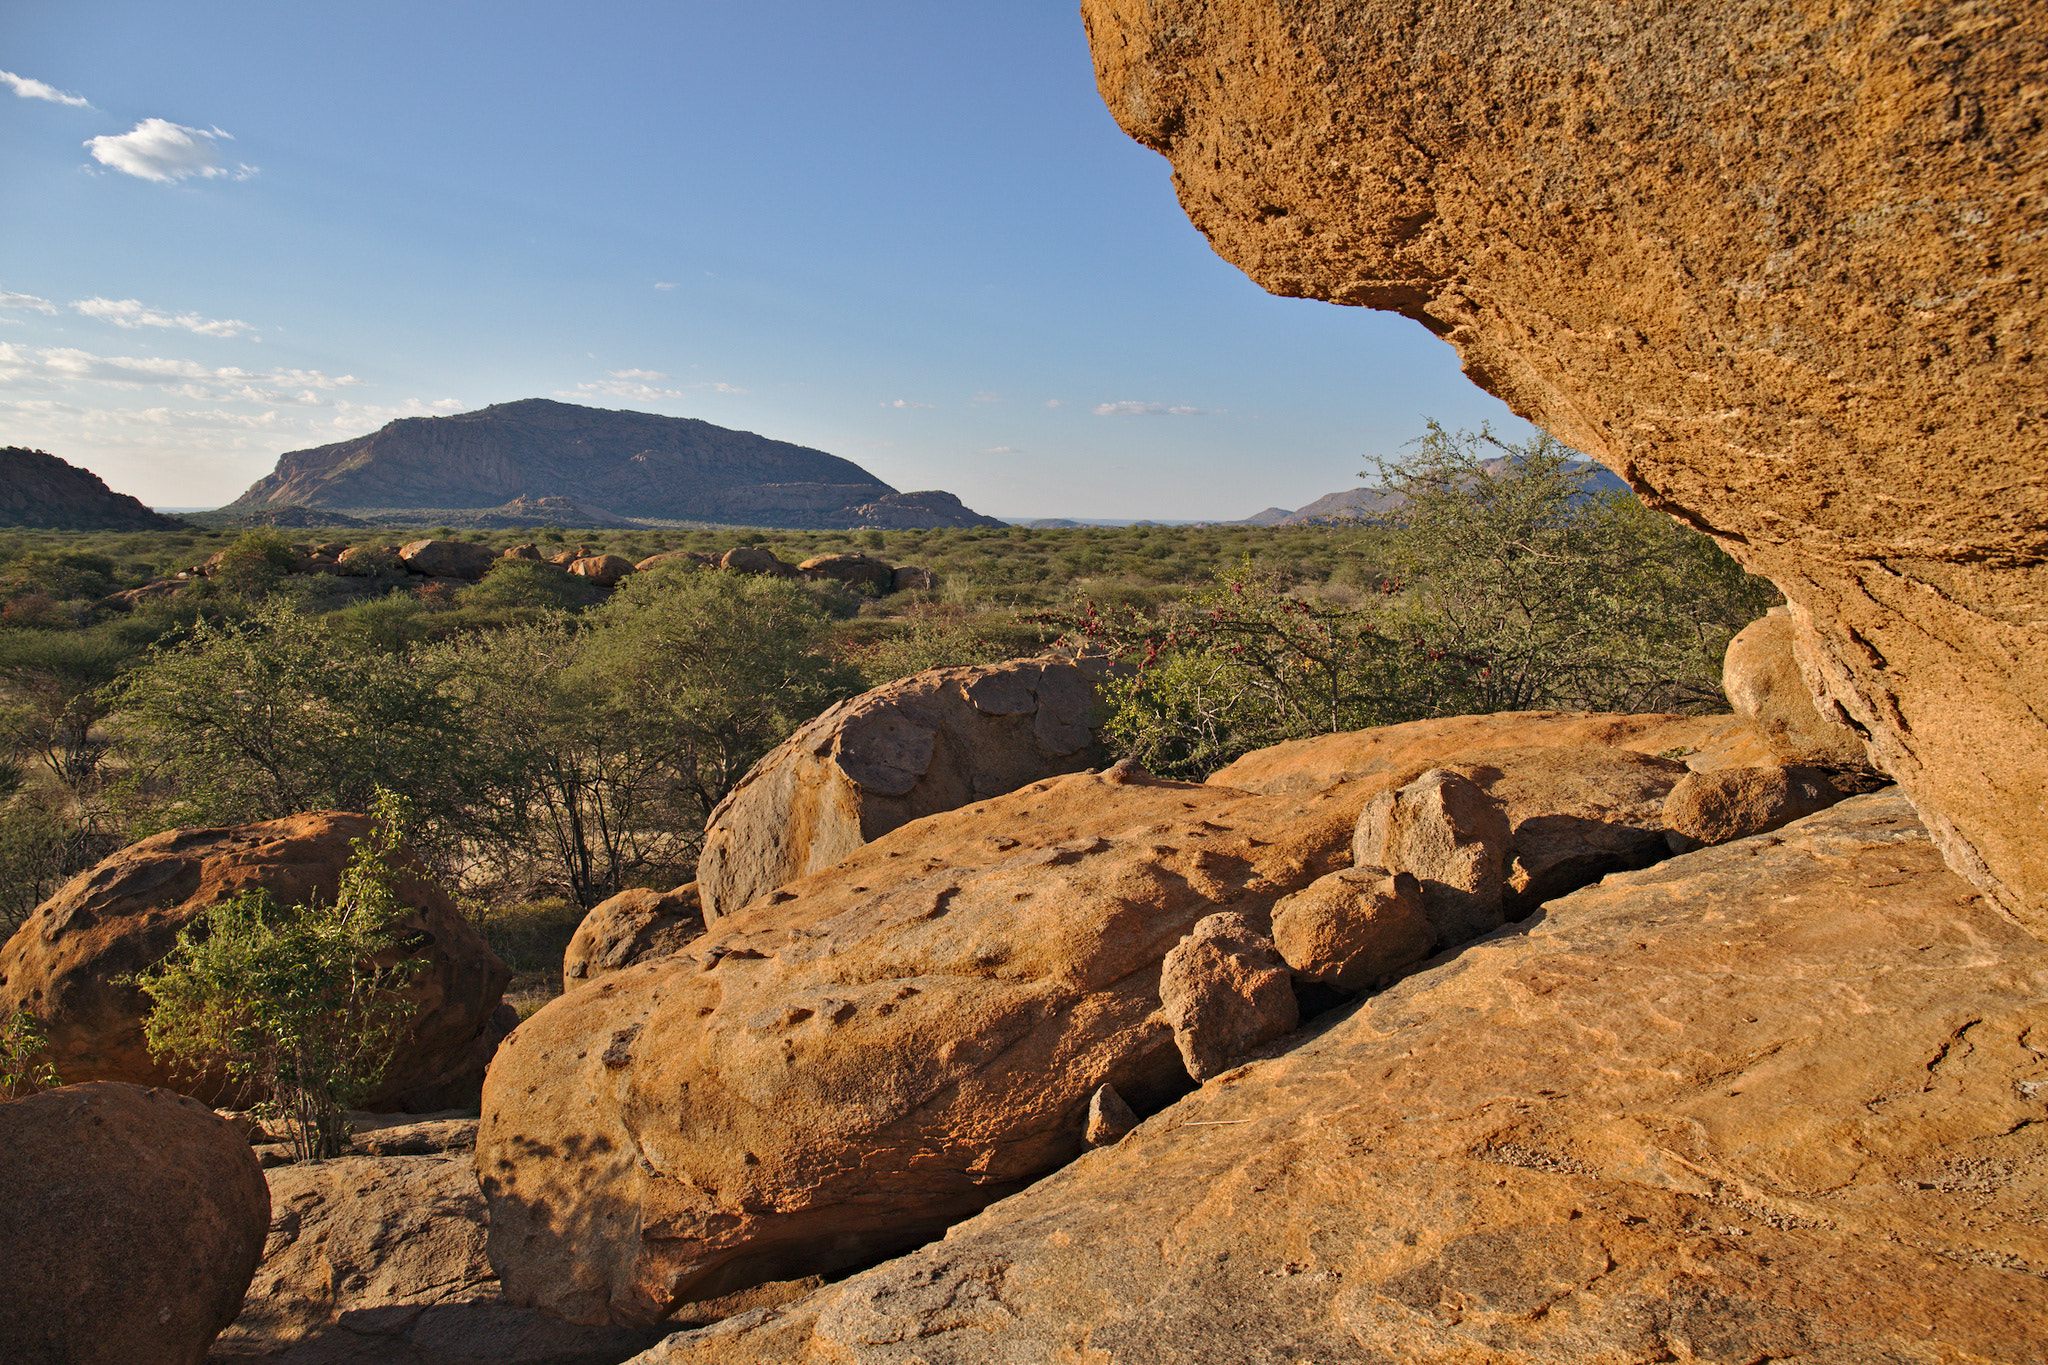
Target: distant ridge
{"type": "Point", "coordinates": [536, 454]}
{"type": "Point", "coordinates": [1362, 504]}
{"type": "Point", "coordinates": [38, 489]}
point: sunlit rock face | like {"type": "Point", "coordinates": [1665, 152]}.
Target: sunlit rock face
{"type": "Point", "coordinates": [1777, 266]}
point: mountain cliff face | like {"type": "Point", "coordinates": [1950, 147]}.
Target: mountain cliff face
{"type": "Point", "coordinates": [38, 489]}
{"type": "Point", "coordinates": [633, 464]}
{"type": "Point", "coordinates": [1777, 266]}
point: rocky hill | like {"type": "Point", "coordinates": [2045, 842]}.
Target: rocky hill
{"type": "Point", "coordinates": [616, 464]}
{"type": "Point", "coordinates": [38, 489]}
{"type": "Point", "coordinates": [1352, 504]}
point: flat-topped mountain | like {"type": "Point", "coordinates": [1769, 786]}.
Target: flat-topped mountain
{"type": "Point", "coordinates": [38, 489]}
{"type": "Point", "coordinates": [626, 464]}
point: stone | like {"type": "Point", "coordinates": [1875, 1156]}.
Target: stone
{"type": "Point", "coordinates": [1353, 929]}
{"type": "Point", "coordinates": [909, 578]}
{"type": "Point", "coordinates": [1224, 991]}
{"type": "Point", "coordinates": [367, 561]}
{"type": "Point", "coordinates": [840, 1071]}
{"type": "Point", "coordinates": [1760, 675]}
{"type": "Point", "coordinates": [153, 591]}
{"type": "Point", "coordinates": [633, 926]}
{"type": "Point", "coordinates": [696, 559]}
{"type": "Point", "coordinates": [755, 559]}
{"type": "Point", "coordinates": [938, 740]}
{"type": "Point", "coordinates": [1453, 838]}
{"type": "Point", "coordinates": [1734, 803]}
{"type": "Point", "coordinates": [447, 559]}
{"type": "Point", "coordinates": [1595, 204]}
{"type": "Point", "coordinates": [1109, 1118]}
{"type": "Point", "coordinates": [853, 570]}
{"type": "Point", "coordinates": [530, 553]}
{"type": "Point", "coordinates": [67, 961]}
{"type": "Point", "coordinates": [565, 558]}
{"type": "Point", "coordinates": [381, 1258]}
{"type": "Point", "coordinates": [603, 570]}
{"type": "Point", "coordinates": [130, 1223]}
{"type": "Point", "coordinates": [1779, 1099]}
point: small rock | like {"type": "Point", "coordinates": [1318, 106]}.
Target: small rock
{"type": "Point", "coordinates": [1734, 803]}
{"type": "Point", "coordinates": [447, 559]}
{"type": "Point", "coordinates": [1109, 1118]}
{"type": "Point", "coordinates": [1225, 990]}
{"type": "Point", "coordinates": [1353, 928]}
{"type": "Point", "coordinates": [1444, 830]}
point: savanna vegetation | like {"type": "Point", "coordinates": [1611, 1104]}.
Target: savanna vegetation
{"type": "Point", "coordinates": [558, 743]}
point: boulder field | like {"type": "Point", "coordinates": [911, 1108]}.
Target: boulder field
{"type": "Point", "coordinates": [845, 1067]}
{"type": "Point", "coordinates": [1778, 267]}
{"type": "Point", "coordinates": [1776, 1100]}
{"type": "Point", "coordinates": [66, 962]}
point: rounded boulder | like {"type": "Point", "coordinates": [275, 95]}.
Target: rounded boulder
{"type": "Point", "coordinates": [131, 1221]}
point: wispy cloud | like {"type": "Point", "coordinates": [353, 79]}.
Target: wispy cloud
{"type": "Point", "coordinates": [133, 314]}
{"type": "Point", "coordinates": [1054, 402]}
{"type": "Point", "coordinates": [664, 284]}
{"type": "Point", "coordinates": [157, 149]}
{"type": "Point", "coordinates": [641, 386]}
{"type": "Point", "coordinates": [986, 397]}
{"type": "Point", "coordinates": [999, 450]}
{"type": "Point", "coordinates": [1131, 408]}
{"type": "Point", "coordinates": [904, 403]}
{"type": "Point", "coordinates": [369, 416]}
{"type": "Point", "coordinates": [61, 367]}
{"type": "Point", "coordinates": [36, 90]}
{"type": "Point", "coordinates": [13, 300]}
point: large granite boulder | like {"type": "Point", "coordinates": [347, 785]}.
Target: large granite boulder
{"type": "Point", "coordinates": [1776, 267]}
{"type": "Point", "coordinates": [634, 926]}
{"type": "Point", "coordinates": [1776, 1100]}
{"type": "Point", "coordinates": [1224, 990]}
{"type": "Point", "coordinates": [840, 1071]}
{"type": "Point", "coordinates": [1444, 830]}
{"type": "Point", "coordinates": [67, 963]}
{"type": "Point", "coordinates": [130, 1223]}
{"type": "Point", "coordinates": [1761, 677]}
{"type": "Point", "coordinates": [924, 744]}
{"type": "Point", "coordinates": [855, 571]}
{"type": "Point", "coordinates": [447, 559]}
{"type": "Point", "coordinates": [604, 570]}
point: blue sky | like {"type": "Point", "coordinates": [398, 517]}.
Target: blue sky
{"type": "Point", "coordinates": [909, 234]}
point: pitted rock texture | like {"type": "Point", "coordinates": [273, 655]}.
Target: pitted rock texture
{"type": "Point", "coordinates": [631, 927]}
{"type": "Point", "coordinates": [1761, 678]}
{"type": "Point", "coordinates": [840, 1072]}
{"type": "Point", "coordinates": [130, 1223]}
{"type": "Point", "coordinates": [1734, 803]}
{"type": "Point", "coordinates": [1777, 1100]}
{"type": "Point", "coordinates": [65, 964]}
{"type": "Point", "coordinates": [1777, 267]}
{"type": "Point", "coordinates": [928, 743]}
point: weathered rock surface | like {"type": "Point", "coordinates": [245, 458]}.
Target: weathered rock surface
{"type": "Point", "coordinates": [633, 926]}
{"type": "Point", "coordinates": [447, 559]}
{"type": "Point", "coordinates": [1354, 928]}
{"type": "Point", "coordinates": [381, 1259]}
{"type": "Point", "coordinates": [65, 962]}
{"type": "Point", "coordinates": [1776, 268]}
{"type": "Point", "coordinates": [853, 570]}
{"type": "Point", "coordinates": [130, 1223]}
{"type": "Point", "coordinates": [1444, 830]}
{"type": "Point", "coordinates": [924, 744]}
{"type": "Point", "coordinates": [1224, 991]}
{"type": "Point", "coordinates": [840, 1071]}
{"type": "Point", "coordinates": [603, 570]}
{"type": "Point", "coordinates": [755, 559]}
{"type": "Point", "coordinates": [1109, 1118]}
{"type": "Point", "coordinates": [1780, 1099]}
{"type": "Point", "coordinates": [1734, 803]}
{"type": "Point", "coordinates": [1761, 678]}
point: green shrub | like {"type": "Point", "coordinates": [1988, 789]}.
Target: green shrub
{"type": "Point", "coordinates": [24, 1069]}
{"type": "Point", "coordinates": [297, 1002]}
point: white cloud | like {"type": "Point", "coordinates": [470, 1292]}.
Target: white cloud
{"type": "Point", "coordinates": [720, 386]}
{"type": "Point", "coordinates": [640, 386]}
{"type": "Point", "coordinates": [905, 403]}
{"type": "Point", "coordinates": [1000, 450]}
{"type": "Point", "coordinates": [986, 397]}
{"type": "Point", "coordinates": [12, 300]}
{"type": "Point", "coordinates": [1129, 408]}
{"type": "Point", "coordinates": [637, 374]}
{"type": "Point", "coordinates": [664, 284]}
{"type": "Point", "coordinates": [36, 90]}
{"type": "Point", "coordinates": [131, 313]}
{"type": "Point", "coordinates": [60, 367]}
{"type": "Point", "coordinates": [157, 149]}
{"type": "Point", "coordinates": [1054, 402]}
{"type": "Point", "coordinates": [358, 417]}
